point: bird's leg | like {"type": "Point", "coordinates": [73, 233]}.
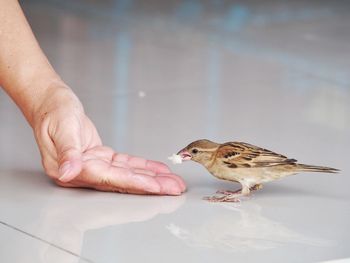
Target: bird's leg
{"type": "Point", "coordinates": [230, 197]}
{"type": "Point", "coordinates": [239, 191]}
{"type": "Point", "coordinates": [245, 191]}
{"type": "Point", "coordinates": [228, 192]}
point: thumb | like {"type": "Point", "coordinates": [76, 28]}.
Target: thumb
{"type": "Point", "coordinates": [69, 156]}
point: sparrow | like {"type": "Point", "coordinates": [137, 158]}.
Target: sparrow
{"type": "Point", "coordinates": [240, 162]}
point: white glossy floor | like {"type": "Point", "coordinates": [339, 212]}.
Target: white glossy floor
{"type": "Point", "coordinates": [156, 75]}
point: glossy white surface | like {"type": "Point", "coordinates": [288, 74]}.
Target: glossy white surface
{"type": "Point", "coordinates": [21, 247]}
{"type": "Point", "coordinates": [155, 75]}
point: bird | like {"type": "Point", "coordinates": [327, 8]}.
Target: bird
{"type": "Point", "coordinates": [243, 163]}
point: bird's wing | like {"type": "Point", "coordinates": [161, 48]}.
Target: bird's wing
{"type": "Point", "coordinates": [244, 155]}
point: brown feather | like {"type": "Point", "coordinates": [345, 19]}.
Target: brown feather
{"type": "Point", "coordinates": [239, 155]}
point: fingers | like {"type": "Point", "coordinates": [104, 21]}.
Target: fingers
{"type": "Point", "coordinates": [141, 163]}
{"type": "Point", "coordinates": [168, 185]}
{"type": "Point", "coordinates": [103, 177]}
{"type": "Point", "coordinates": [181, 183]}
{"type": "Point", "coordinates": [123, 178]}
{"type": "Point", "coordinates": [118, 173]}
{"type": "Point", "coordinates": [140, 181]}
{"type": "Point", "coordinates": [68, 146]}
{"type": "Point", "coordinates": [155, 167]}
{"type": "Point", "coordinates": [146, 172]}
{"type": "Point", "coordinates": [70, 166]}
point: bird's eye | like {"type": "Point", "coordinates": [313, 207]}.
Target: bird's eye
{"type": "Point", "coordinates": [194, 151]}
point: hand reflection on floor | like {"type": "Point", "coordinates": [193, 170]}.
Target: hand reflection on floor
{"type": "Point", "coordinates": [68, 223]}
{"type": "Point", "coordinates": [59, 217]}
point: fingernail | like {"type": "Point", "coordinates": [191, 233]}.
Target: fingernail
{"type": "Point", "coordinates": [64, 171]}
{"type": "Point", "coordinates": [173, 191]}
{"type": "Point", "coordinates": [176, 189]}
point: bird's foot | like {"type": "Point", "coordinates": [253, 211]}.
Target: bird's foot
{"type": "Point", "coordinates": [226, 198]}
{"type": "Point", "coordinates": [228, 192]}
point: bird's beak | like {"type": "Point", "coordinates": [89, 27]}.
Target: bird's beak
{"type": "Point", "coordinates": [185, 155]}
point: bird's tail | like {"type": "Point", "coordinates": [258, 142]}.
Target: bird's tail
{"type": "Point", "coordinates": [314, 168]}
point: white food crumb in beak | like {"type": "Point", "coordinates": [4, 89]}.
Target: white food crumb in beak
{"type": "Point", "coordinates": [176, 159]}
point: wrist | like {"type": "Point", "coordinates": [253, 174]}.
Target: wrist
{"type": "Point", "coordinates": [48, 96]}
{"type": "Point", "coordinates": [28, 92]}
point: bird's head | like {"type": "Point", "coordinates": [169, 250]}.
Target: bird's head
{"type": "Point", "coordinates": [200, 151]}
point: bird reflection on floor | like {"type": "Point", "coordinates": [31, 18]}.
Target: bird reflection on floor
{"type": "Point", "coordinates": [243, 230]}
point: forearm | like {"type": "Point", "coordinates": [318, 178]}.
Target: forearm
{"type": "Point", "coordinates": [25, 73]}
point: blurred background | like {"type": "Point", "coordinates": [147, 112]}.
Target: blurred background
{"type": "Point", "coordinates": [155, 75]}
{"type": "Point", "coordinates": [274, 73]}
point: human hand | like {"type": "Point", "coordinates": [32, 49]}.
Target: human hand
{"type": "Point", "coordinates": [71, 149]}
{"type": "Point", "coordinates": [73, 155]}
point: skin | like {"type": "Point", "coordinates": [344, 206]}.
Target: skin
{"type": "Point", "coordinates": [71, 149]}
